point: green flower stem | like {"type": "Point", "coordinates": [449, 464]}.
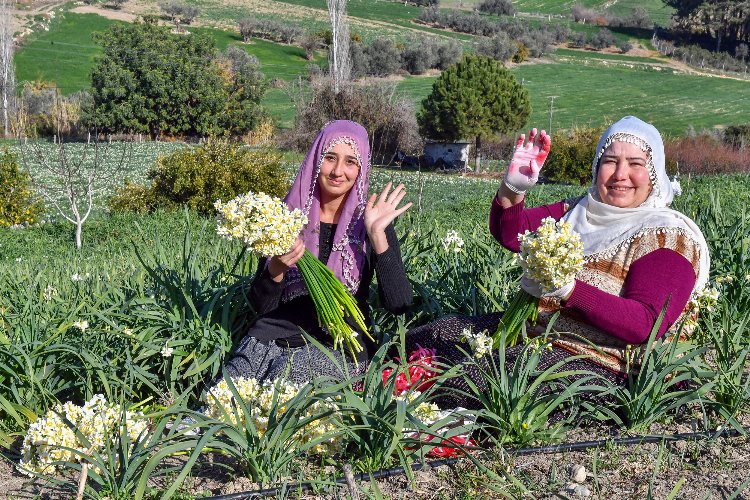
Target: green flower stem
{"type": "Point", "coordinates": [523, 306]}
{"type": "Point", "coordinates": [333, 303]}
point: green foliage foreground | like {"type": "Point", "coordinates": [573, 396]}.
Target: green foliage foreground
{"type": "Point", "coordinates": [147, 324]}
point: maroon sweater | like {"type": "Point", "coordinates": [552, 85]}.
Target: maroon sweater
{"type": "Point", "coordinates": [650, 280]}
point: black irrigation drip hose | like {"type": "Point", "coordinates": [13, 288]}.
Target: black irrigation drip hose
{"type": "Point", "coordinates": [557, 448]}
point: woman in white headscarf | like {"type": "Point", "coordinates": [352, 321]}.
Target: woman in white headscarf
{"type": "Point", "coordinates": [638, 253]}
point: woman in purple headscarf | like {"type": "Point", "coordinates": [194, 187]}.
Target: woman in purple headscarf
{"type": "Point", "coordinates": [353, 235]}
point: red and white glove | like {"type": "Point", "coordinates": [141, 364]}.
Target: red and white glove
{"type": "Point", "coordinates": [528, 159]}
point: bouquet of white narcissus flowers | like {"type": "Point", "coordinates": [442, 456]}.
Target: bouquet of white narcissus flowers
{"type": "Point", "coordinates": [267, 228]}
{"type": "Point", "coordinates": [552, 256]}
{"type": "Point", "coordinates": [50, 440]}
{"type": "Point", "coordinates": [259, 399]}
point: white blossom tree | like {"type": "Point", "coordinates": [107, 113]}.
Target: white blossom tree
{"type": "Point", "coordinates": [7, 70]}
{"type": "Point", "coordinates": [339, 61]}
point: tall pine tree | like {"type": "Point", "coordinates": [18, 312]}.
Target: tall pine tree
{"type": "Point", "coordinates": [475, 98]}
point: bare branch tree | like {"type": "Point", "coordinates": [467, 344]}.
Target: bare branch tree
{"type": "Point", "coordinates": [7, 70]}
{"type": "Point", "coordinates": [69, 176]}
{"type": "Point", "coordinates": [339, 60]}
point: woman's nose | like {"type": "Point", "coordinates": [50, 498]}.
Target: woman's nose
{"type": "Point", "coordinates": [621, 170]}
{"type": "Point", "coordinates": [337, 168]}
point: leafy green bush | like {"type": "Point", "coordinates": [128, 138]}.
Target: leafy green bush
{"type": "Point", "coordinates": [133, 197]}
{"type": "Point", "coordinates": [571, 154]}
{"type": "Point", "coordinates": [197, 177]}
{"type": "Point", "coordinates": [17, 201]}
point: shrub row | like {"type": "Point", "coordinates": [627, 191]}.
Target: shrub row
{"type": "Point", "coordinates": [269, 29]}
{"type": "Point", "coordinates": [383, 57]}
{"type": "Point", "coordinates": [638, 17]}
{"type": "Point", "coordinates": [497, 7]}
{"type": "Point", "coordinates": [537, 39]}
{"type": "Point", "coordinates": [697, 56]}
{"type": "Point", "coordinates": [599, 40]}
{"type": "Point", "coordinates": [475, 24]}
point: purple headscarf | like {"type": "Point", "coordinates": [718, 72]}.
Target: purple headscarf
{"type": "Point", "coordinates": [348, 251]}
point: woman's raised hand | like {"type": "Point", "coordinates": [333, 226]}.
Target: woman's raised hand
{"type": "Point", "coordinates": [279, 264]}
{"type": "Point", "coordinates": [382, 210]}
{"type": "Point", "coordinates": [528, 159]}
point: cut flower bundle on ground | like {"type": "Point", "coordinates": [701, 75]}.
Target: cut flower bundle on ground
{"type": "Point", "coordinates": [267, 228]}
{"type": "Point", "coordinates": [551, 256]}
{"type": "Point", "coordinates": [51, 440]}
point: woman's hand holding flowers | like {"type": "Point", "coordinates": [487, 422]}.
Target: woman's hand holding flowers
{"type": "Point", "coordinates": [527, 162]}
{"type": "Point", "coordinates": [279, 264]}
{"type": "Point", "coordinates": [382, 210]}
{"type": "Point", "coordinates": [533, 287]}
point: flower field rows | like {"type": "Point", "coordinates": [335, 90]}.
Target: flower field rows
{"type": "Point", "coordinates": [142, 316]}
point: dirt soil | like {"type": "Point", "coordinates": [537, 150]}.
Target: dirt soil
{"type": "Point", "coordinates": [717, 468]}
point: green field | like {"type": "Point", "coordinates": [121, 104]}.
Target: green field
{"type": "Point", "coordinates": [592, 93]}
{"type": "Point", "coordinates": [592, 87]}
{"type": "Point", "coordinates": [65, 54]}
{"type": "Point", "coordinates": [656, 9]}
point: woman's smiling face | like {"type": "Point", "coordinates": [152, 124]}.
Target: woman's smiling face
{"type": "Point", "coordinates": [622, 179]}
{"type": "Point", "coordinates": [338, 172]}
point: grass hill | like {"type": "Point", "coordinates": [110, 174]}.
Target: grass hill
{"type": "Point", "coordinates": [589, 87]}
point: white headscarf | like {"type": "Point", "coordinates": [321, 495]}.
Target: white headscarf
{"type": "Point", "coordinates": [603, 228]}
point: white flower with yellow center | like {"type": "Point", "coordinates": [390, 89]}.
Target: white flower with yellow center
{"type": "Point", "coordinates": [51, 439]}
{"type": "Point", "coordinates": [82, 325]}
{"type": "Point", "coordinates": [453, 243]}
{"type": "Point", "coordinates": [263, 223]}
{"type": "Point", "coordinates": [480, 342]}
{"type": "Point", "coordinates": [552, 255]}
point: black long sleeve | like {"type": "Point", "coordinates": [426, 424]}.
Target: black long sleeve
{"type": "Point", "coordinates": [394, 288]}
{"type": "Point", "coordinates": [265, 293]}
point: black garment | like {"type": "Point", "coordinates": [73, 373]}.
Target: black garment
{"type": "Point", "coordinates": [446, 335]}
{"type": "Point", "coordinates": [281, 321]}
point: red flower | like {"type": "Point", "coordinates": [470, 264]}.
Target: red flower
{"type": "Point", "coordinates": [421, 367]}
{"type": "Point", "coordinates": [451, 451]}
{"type": "Point", "coordinates": [402, 385]}
{"type": "Point", "coordinates": [421, 371]}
